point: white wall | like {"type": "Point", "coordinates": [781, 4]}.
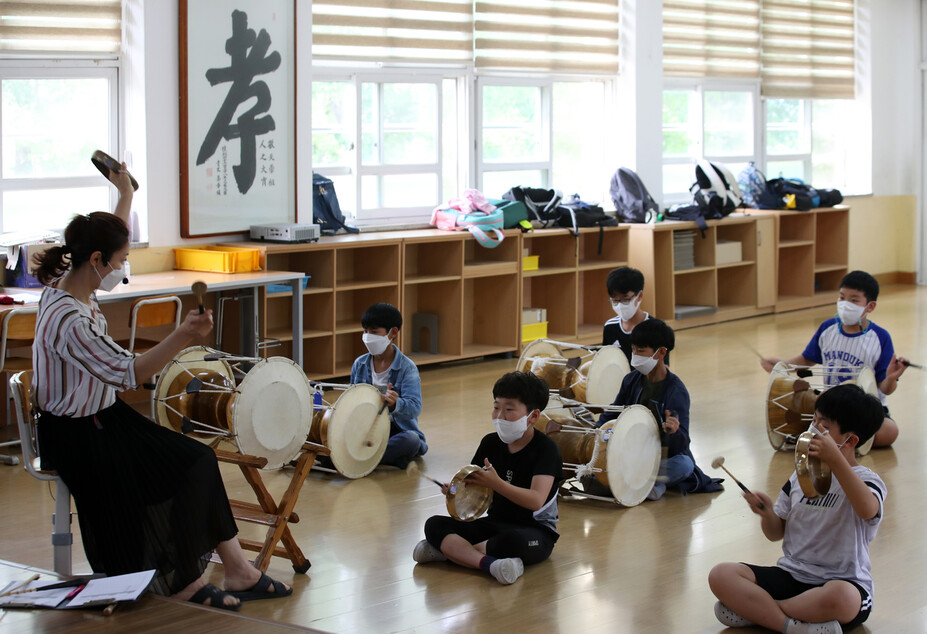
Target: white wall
{"type": "Point", "coordinates": [896, 97]}
{"type": "Point", "coordinates": [895, 89]}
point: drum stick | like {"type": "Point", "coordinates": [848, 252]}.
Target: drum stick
{"type": "Point", "coordinates": [16, 589]}
{"type": "Point", "coordinates": [908, 364]}
{"type": "Point", "coordinates": [752, 349]}
{"type": "Point", "coordinates": [413, 469]}
{"type": "Point", "coordinates": [718, 463]}
{"type": "Point", "coordinates": [199, 289]}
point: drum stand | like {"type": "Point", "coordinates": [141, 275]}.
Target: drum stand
{"type": "Point", "coordinates": [267, 512]}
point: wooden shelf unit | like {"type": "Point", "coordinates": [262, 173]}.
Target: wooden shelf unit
{"type": "Point", "coordinates": [812, 255]}
{"type": "Point", "coordinates": [731, 290]}
{"type": "Point", "coordinates": [570, 279]}
{"type": "Point", "coordinates": [472, 290]}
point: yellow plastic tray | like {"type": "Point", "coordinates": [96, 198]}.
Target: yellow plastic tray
{"type": "Point", "coordinates": [530, 332]}
{"type": "Point", "coordinates": [218, 259]}
{"type": "Point", "coordinates": [530, 262]}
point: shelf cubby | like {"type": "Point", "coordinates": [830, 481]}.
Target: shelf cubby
{"type": "Point", "coordinates": [491, 316]}
{"type": "Point", "coordinates": [443, 299]}
{"type": "Point", "coordinates": [614, 253]}
{"type": "Point", "coordinates": [559, 295]}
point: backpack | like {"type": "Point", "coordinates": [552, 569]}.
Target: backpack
{"type": "Point", "coordinates": [716, 188]}
{"type": "Point", "coordinates": [633, 203]}
{"type": "Point", "coordinates": [797, 194]}
{"type": "Point", "coordinates": [541, 203]}
{"type": "Point", "coordinates": [473, 213]}
{"type": "Point", "coordinates": [756, 189]}
{"type": "Point", "coordinates": [697, 213]}
{"type": "Point", "coordinates": [326, 212]}
{"type": "Point", "coordinates": [576, 213]}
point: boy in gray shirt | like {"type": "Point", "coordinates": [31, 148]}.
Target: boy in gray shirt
{"type": "Point", "coordinates": [823, 580]}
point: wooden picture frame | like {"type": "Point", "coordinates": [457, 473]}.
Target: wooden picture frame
{"type": "Point", "coordinates": [237, 115]}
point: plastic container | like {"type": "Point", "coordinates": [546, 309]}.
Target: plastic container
{"type": "Point", "coordinates": [286, 288]}
{"type": "Point", "coordinates": [218, 259]}
{"type": "Point", "coordinates": [530, 262]}
{"type": "Point", "coordinates": [530, 332]}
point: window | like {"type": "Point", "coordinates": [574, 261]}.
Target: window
{"type": "Point", "coordinates": [717, 124]}
{"type": "Point", "coordinates": [551, 134]}
{"type": "Point", "coordinates": [818, 141]}
{"type": "Point", "coordinates": [385, 144]}
{"type": "Point", "coordinates": [51, 121]}
{"type": "Point", "coordinates": [59, 101]}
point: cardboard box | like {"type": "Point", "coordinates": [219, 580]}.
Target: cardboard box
{"type": "Point", "coordinates": [533, 316]}
{"type": "Point", "coordinates": [728, 252]}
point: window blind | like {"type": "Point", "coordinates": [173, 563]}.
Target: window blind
{"type": "Point", "coordinates": [61, 26]}
{"type": "Point", "coordinates": [393, 30]}
{"type": "Point", "coordinates": [547, 35]}
{"type": "Point", "coordinates": [808, 48]}
{"type": "Point", "coordinates": [711, 38]}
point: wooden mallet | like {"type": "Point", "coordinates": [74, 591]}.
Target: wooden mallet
{"type": "Point", "coordinates": [718, 463]}
{"type": "Point", "coordinates": [199, 289]}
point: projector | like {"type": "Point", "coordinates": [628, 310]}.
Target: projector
{"type": "Point", "coordinates": [285, 232]}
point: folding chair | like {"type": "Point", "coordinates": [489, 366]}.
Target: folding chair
{"type": "Point", "coordinates": [20, 385]}
{"type": "Point", "coordinates": [146, 313]}
{"type": "Point", "coordinates": [17, 331]}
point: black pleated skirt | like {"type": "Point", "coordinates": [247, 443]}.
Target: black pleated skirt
{"type": "Point", "coordinates": [146, 496]}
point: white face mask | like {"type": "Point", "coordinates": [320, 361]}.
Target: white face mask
{"type": "Point", "coordinates": [849, 313]}
{"type": "Point", "coordinates": [376, 344]}
{"type": "Point", "coordinates": [627, 310]}
{"type": "Point", "coordinates": [642, 364]}
{"type": "Point", "coordinates": [112, 280]}
{"type": "Point", "coordinates": [817, 432]}
{"type": "Point", "coordinates": [510, 430]}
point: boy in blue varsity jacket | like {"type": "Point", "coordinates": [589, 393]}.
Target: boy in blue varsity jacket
{"type": "Point", "coordinates": [386, 368]}
{"type": "Point", "coordinates": [849, 340]}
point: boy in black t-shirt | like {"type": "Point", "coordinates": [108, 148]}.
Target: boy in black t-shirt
{"type": "Point", "coordinates": [521, 466]}
{"type": "Point", "coordinates": [625, 292]}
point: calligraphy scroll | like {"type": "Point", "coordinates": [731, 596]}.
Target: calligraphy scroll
{"type": "Point", "coordinates": [237, 111]}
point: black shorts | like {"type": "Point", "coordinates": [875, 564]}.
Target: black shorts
{"type": "Point", "coordinates": [781, 585]}
{"type": "Point", "coordinates": [888, 414]}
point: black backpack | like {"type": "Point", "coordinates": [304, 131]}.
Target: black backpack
{"type": "Point", "coordinates": [805, 196]}
{"type": "Point", "coordinates": [578, 214]}
{"type": "Point", "coordinates": [695, 212]}
{"type": "Point", "coordinates": [633, 203]}
{"type": "Point", "coordinates": [543, 204]}
{"type": "Point", "coordinates": [326, 212]}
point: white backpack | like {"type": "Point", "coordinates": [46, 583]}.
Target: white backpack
{"type": "Point", "coordinates": [715, 180]}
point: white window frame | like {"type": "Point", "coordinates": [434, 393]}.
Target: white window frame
{"type": "Point", "coordinates": [804, 157]}
{"type": "Point", "coordinates": [385, 217]}
{"type": "Point", "coordinates": [546, 164]}
{"type": "Point", "coordinates": [700, 86]}
{"type": "Point", "coordinates": [15, 68]}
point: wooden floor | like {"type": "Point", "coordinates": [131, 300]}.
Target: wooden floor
{"type": "Point", "coordinates": [641, 569]}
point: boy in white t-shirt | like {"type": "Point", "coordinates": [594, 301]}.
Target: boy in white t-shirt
{"type": "Point", "coordinates": [823, 580]}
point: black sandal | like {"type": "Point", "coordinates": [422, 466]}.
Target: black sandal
{"type": "Point", "coordinates": [260, 590]}
{"type": "Point", "coordinates": [215, 596]}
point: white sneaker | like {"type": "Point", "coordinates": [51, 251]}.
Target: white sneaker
{"type": "Point", "coordinates": [728, 617]}
{"type": "Point", "coordinates": [507, 571]}
{"type": "Point", "coordinates": [800, 627]}
{"type": "Point", "coordinates": [424, 553]}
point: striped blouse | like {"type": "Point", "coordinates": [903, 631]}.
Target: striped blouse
{"type": "Point", "coordinates": [77, 367]}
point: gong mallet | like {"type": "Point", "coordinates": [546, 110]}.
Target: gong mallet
{"type": "Point", "coordinates": [413, 469]}
{"type": "Point", "coordinates": [199, 289]}
{"type": "Point", "coordinates": [718, 463]}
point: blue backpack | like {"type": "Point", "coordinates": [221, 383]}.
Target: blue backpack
{"type": "Point", "coordinates": [326, 212]}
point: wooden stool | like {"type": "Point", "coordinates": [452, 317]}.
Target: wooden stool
{"type": "Point", "coordinates": [269, 513]}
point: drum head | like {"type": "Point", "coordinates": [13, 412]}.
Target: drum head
{"type": "Point", "coordinates": [633, 452]}
{"type": "Point", "coordinates": [189, 359]}
{"type": "Point", "coordinates": [273, 411]}
{"type": "Point", "coordinates": [357, 434]}
{"type": "Point", "coordinates": [608, 368]}
{"type": "Point", "coordinates": [537, 348]}
{"type": "Point", "coordinates": [466, 502]}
